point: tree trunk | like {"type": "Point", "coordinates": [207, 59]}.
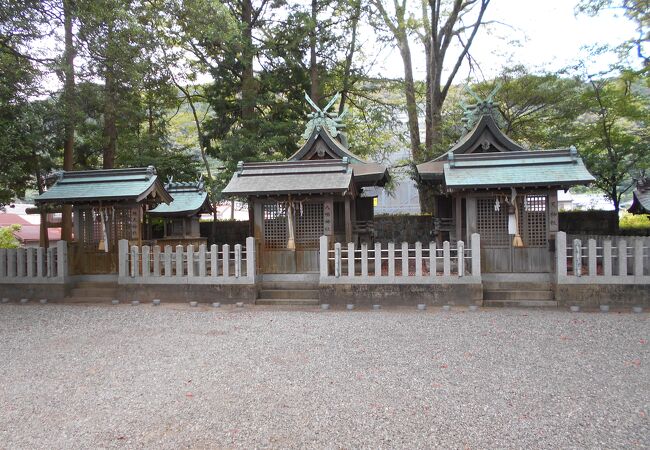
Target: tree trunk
{"type": "Point", "coordinates": [313, 63]}
{"type": "Point", "coordinates": [411, 101]}
{"type": "Point", "coordinates": [70, 114]}
{"type": "Point", "coordinates": [347, 82]}
{"type": "Point", "coordinates": [110, 108]}
{"type": "Point", "coordinates": [248, 75]}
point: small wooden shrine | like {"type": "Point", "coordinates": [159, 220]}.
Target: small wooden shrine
{"type": "Point", "coordinates": [181, 217]}
{"type": "Point", "coordinates": [641, 197]}
{"type": "Point", "coordinates": [322, 189]}
{"type": "Point", "coordinates": [108, 205]}
{"type": "Point", "coordinates": [490, 185]}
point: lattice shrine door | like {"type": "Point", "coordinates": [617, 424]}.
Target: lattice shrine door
{"type": "Point", "coordinates": [497, 252]}
{"type": "Point", "coordinates": [277, 255]}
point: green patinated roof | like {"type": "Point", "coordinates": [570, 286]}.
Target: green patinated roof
{"type": "Point", "coordinates": [513, 169]}
{"type": "Point", "coordinates": [291, 177]}
{"type": "Point", "coordinates": [105, 185]}
{"type": "Point", "coordinates": [189, 198]}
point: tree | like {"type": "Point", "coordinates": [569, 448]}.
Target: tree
{"type": "Point", "coordinates": [7, 237]}
{"type": "Point", "coordinates": [613, 134]}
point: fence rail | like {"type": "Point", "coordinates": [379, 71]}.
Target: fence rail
{"type": "Point", "coordinates": [34, 264]}
{"type": "Point", "coordinates": [407, 263]}
{"type": "Point", "coordinates": [219, 264]}
{"type": "Point", "coordinates": [608, 260]}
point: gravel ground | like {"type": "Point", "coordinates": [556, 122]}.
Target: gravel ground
{"type": "Point", "coordinates": [75, 376]}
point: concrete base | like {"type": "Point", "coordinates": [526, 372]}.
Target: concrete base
{"type": "Point", "coordinates": [401, 294]}
{"type": "Point", "coordinates": [53, 292]}
{"type": "Point", "coordinates": [182, 293]}
{"type": "Point", "coordinates": [594, 295]}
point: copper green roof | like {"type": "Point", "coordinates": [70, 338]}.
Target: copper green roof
{"type": "Point", "coordinates": [516, 169]}
{"type": "Point", "coordinates": [291, 177]}
{"type": "Point", "coordinates": [110, 185]}
{"type": "Point", "coordinates": [189, 198]}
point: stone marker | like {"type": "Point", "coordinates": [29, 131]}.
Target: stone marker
{"type": "Point", "coordinates": [216, 305]}
{"type": "Point", "coordinates": [473, 307]}
{"type": "Point", "coordinates": [239, 304]}
{"type": "Point", "coordinates": [156, 302]}
{"type": "Point", "coordinates": [376, 307]}
{"type": "Point", "coordinates": [24, 300]}
{"type": "Point", "coordinates": [194, 304]}
{"type": "Point", "coordinates": [43, 301]}
{"type": "Point", "coordinates": [350, 306]}
{"type": "Point", "coordinates": [604, 308]}
{"type": "Point", "coordinates": [575, 308]}
{"type": "Point", "coordinates": [325, 306]}
{"type": "Point", "coordinates": [422, 306]}
{"type": "Point", "coordinates": [446, 307]}
{"type": "Point", "coordinates": [135, 303]}
{"type": "Point", "coordinates": [637, 309]}
{"type": "Point", "coordinates": [5, 300]}
{"type": "Point", "coordinates": [115, 302]}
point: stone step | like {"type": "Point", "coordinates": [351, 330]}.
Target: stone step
{"type": "Point", "coordinates": [96, 284]}
{"type": "Point", "coordinates": [520, 303]}
{"type": "Point", "coordinates": [287, 301]}
{"type": "Point", "coordinates": [73, 299]}
{"type": "Point", "coordinates": [518, 285]}
{"type": "Point", "coordinates": [271, 285]}
{"type": "Point", "coordinates": [503, 294]}
{"type": "Point", "coordinates": [289, 294]}
{"type": "Point", "coordinates": [93, 292]}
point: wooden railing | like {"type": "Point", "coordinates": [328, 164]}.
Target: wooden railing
{"type": "Point", "coordinates": [185, 265]}
{"type": "Point", "coordinates": [612, 260]}
{"type": "Point", "coordinates": [404, 264]}
{"type": "Point", "coordinates": [34, 264]}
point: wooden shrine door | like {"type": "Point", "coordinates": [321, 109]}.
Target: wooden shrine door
{"type": "Point", "coordinates": [497, 252]}
{"type": "Point", "coordinates": [275, 256]}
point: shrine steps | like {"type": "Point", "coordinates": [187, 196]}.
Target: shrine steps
{"type": "Point", "coordinates": [93, 292]}
{"type": "Point", "coordinates": [287, 291]}
{"type": "Point", "coordinates": [519, 294]}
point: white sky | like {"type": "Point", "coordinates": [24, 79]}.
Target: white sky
{"type": "Point", "coordinates": [550, 37]}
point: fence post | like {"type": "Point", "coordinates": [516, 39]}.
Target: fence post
{"type": "Point", "coordinates": [123, 257]}
{"type": "Point", "coordinates": [62, 259]}
{"type": "Point", "coordinates": [433, 260]}
{"type": "Point", "coordinates": [20, 262]}
{"type": "Point", "coordinates": [638, 257]}
{"type": "Point", "coordinates": [323, 256]}
{"type": "Point", "coordinates": [391, 259]}
{"type": "Point", "coordinates": [607, 258]}
{"type": "Point", "coordinates": [377, 259]}
{"type": "Point", "coordinates": [592, 257]}
{"type": "Point", "coordinates": [179, 261]}
{"type": "Point", "coordinates": [418, 259]}
{"type": "Point", "coordinates": [351, 259]}
{"type": "Point", "coordinates": [560, 254]}
{"type": "Point", "coordinates": [446, 261]}
{"type": "Point", "coordinates": [168, 260]}
{"type": "Point", "coordinates": [202, 260]}
{"type": "Point", "coordinates": [405, 259]}
{"type": "Point", "coordinates": [50, 262]}
{"type": "Point", "coordinates": [364, 259]}
{"type": "Point", "coordinates": [460, 256]}
{"type": "Point", "coordinates": [225, 249]}
{"type": "Point", "coordinates": [135, 262]}
{"type": "Point", "coordinates": [190, 260]}
{"type": "Point", "coordinates": [214, 259]}
{"type": "Point", "coordinates": [3, 262]}
{"type": "Point", "coordinates": [40, 262]}
{"type": "Point", "coordinates": [30, 262]}
{"type": "Point", "coordinates": [337, 259]}
{"type": "Point", "coordinates": [145, 261]}
{"type": "Point", "coordinates": [577, 257]}
{"type": "Point", "coordinates": [250, 257]}
{"type": "Point", "coordinates": [237, 260]}
{"type": "Point", "coordinates": [475, 244]}
{"type": "Point", "coordinates": [156, 260]}
{"type": "Point", "coordinates": [622, 258]}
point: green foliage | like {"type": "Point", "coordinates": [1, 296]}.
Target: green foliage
{"type": "Point", "coordinates": [7, 238]}
{"type": "Point", "coordinates": [634, 222]}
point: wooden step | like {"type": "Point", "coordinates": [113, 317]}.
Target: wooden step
{"type": "Point", "coordinates": [287, 301]}
{"type": "Point", "coordinates": [289, 294]}
{"type": "Point", "coordinates": [518, 294]}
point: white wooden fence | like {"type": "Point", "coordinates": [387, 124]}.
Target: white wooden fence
{"type": "Point", "coordinates": [36, 265]}
{"type": "Point", "coordinates": [407, 263]}
{"type": "Point", "coordinates": [218, 265]}
{"type": "Point", "coordinates": [624, 260]}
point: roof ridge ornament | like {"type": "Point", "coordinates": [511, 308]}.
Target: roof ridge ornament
{"type": "Point", "coordinates": [472, 113]}
{"type": "Point", "coordinates": [322, 118]}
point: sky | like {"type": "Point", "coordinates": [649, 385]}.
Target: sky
{"type": "Point", "coordinates": [549, 35]}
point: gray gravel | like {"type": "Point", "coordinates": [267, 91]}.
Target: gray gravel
{"type": "Point", "coordinates": [75, 376]}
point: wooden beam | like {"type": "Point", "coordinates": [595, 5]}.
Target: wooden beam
{"type": "Point", "coordinates": [348, 221]}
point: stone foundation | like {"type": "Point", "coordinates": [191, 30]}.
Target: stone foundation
{"type": "Point", "coordinates": [401, 294]}
{"type": "Point", "coordinates": [202, 293]}
{"type": "Point", "coordinates": [593, 295]}
{"type": "Point", "coordinates": [34, 291]}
